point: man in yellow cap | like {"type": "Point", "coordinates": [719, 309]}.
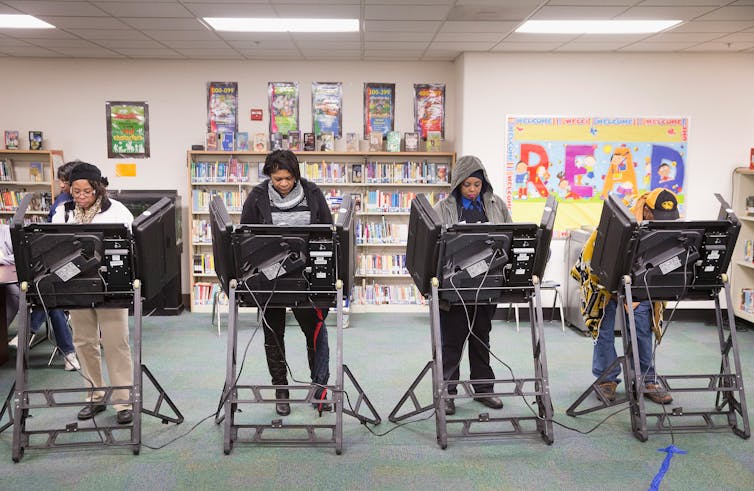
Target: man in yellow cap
{"type": "Point", "coordinates": [599, 307]}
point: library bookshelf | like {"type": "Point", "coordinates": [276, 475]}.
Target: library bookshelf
{"type": "Point", "coordinates": [742, 264]}
{"type": "Point", "coordinates": [28, 171]}
{"type": "Point", "coordinates": [383, 184]}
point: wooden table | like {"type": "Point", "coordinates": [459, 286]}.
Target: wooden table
{"type": "Point", "coordinates": [7, 276]}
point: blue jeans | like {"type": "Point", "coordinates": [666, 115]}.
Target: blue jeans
{"type": "Point", "coordinates": [63, 336]}
{"type": "Point", "coordinates": [604, 349]}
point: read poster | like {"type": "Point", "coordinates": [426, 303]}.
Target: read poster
{"type": "Point", "coordinates": [429, 109]}
{"type": "Point", "coordinates": [582, 159]}
{"type": "Point", "coordinates": [327, 107]}
{"type": "Point", "coordinates": [127, 129]}
{"type": "Point", "coordinates": [222, 107]}
{"type": "Point", "coordinates": [379, 108]}
{"type": "Point", "coordinates": [283, 100]}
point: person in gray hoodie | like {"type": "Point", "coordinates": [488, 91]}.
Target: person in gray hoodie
{"type": "Point", "coordinates": [470, 201]}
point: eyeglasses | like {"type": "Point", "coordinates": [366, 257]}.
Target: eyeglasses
{"type": "Point", "coordinates": [82, 192]}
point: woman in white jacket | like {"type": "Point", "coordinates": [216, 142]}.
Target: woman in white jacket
{"type": "Point", "coordinates": [91, 205]}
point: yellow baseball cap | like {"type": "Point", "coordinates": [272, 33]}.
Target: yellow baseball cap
{"type": "Point", "coordinates": [663, 203]}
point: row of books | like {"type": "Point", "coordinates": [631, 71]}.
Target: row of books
{"type": "Point", "coordinates": [411, 141]}
{"type": "Point", "coordinates": [5, 220]}
{"type": "Point", "coordinates": [202, 231]}
{"type": "Point", "coordinates": [381, 264]}
{"type": "Point", "coordinates": [379, 294]}
{"type": "Point", "coordinates": [410, 172]}
{"type": "Point", "coordinates": [204, 292]}
{"type": "Point", "coordinates": [204, 264]}
{"type": "Point", "coordinates": [749, 250]}
{"type": "Point", "coordinates": [395, 202]}
{"type": "Point", "coordinates": [201, 198]}
{"type": "Point", "coordinates": [36, 171]}
{"type": "Point", "coordinates": [231, 171]}
{"type": "Point", "coordinates": [9, 200]}
{"type": "Point", "coordinates": [381, 232]}
{"type": "Point", "coordinates": [747, 300]}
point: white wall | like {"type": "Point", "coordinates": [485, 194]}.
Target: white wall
{"type": "Point", "coordinates": [713, 90]}
{"type": "Point", "coordinates": [66, 100]}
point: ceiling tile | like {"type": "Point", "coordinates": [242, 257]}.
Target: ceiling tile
{"type": "Point", "coordinates": [581, 3]}
{"type": "Point", "coordinates": [527, 37]}
{"type": "Point", "coordinates": [676, 13]}
{"type": "Point", "coordinates": [214, 9]}
{"type": "Point", "coordinates": [650, 46]}
{"type": "Point", "coordinates": [10, 42]}
{"type": "Point", "coordinates": [210, 54]}
{"type": "Point", "coordinates": [680, 37]}
{"type": "Point", "coordinates": [525, 47]}
{"type": "Point", "coordinates": [713, 26]}
{"type": "Point", "coordinates": [263, 44]}
{"type": "Point", "coordinates": [28, 51]}
{"type": "Point", "coordinates": [723, 47]}
{"type": "Point", "coordinates": [329, 46]}
{"type": "Point", "coordinates": [150, 53]}
{"type": "Point", "coordinates": [88, 52]}
{"type": "Point", "coordinates": [587, 47]}
{"type": "Point", "coordinates": [464, 46]}
{"type": "Point", "coordinates": [744, 12]}
{"type": "Point", "coordinates": [737, 37]}
{"type": "Point", "coordinates": [400, 26]}
{"type": "Point", "coordinates": [475, 10]}
{"type": "Point", "coordinates": [193, 44]}
{"type": "Point", "coordinates": [144, 9]}
{"type": "Point", "coordinates": [319, 10]}
{"type": "Point", "coordinates": [96, 34]}
{"type": "Point", "coordinates": [37, 34]}
{"type": "Point", "coordinates": [129, 43]}
{"type": "Point", "coordinates": [684, 3]}
{"type": "Point", "coordinates": [404, 12]}
{"type": "Point", "coordinates": [330, 36]}
{"type": "Point", "coordinates": [165, 24]}
{"type": "Point", "coordinates": [181, 35]}
{"type": "Point", "coordinates": [398, 36]}
{"type": "Point", "coordinates": [35, 7]}
{"type": "Point", "coordinates": [84, 22]}
{"type": "Point", "coordinates": [591, 12]}
{"type": "Point", "coordinates": [479, 26]}
{"type": "Point", "coordinates": [491, 37]}
{"type": "Point", "coordinates": [64, 43]}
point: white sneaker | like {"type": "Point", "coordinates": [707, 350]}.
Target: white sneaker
{"type": "Point", "coordinates": [13, 343]}
{"type": "Point", "coordinates": [71, 362]}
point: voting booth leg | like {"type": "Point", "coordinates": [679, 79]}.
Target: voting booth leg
{"type": "Point", "coordinates": [730, 347]}
{"type": "Point", "coordinates": [542, 384]}
{"type": "Point", "coordinates": [26, 399]}
{"type": "Point", "coordinates": [235, 394]}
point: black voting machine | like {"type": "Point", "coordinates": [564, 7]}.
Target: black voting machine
{"type": "Point", "coordinates": [480, 264]}
{"type": "Point", "coordinates": [75, 266]}
{"type": "Point", "coordinates": [265, 266]}
{"type": "Point", "coordinates": [670, 261]}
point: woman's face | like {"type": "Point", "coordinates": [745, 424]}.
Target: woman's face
{"type": "Point", "coordinates": [283, 181]}
{"type": "Point", "coordinates": [64, 186]}
{"type": "Point", "coordinates": [471, 187]}
{"type": "Point", "coordinates": [83, 193]}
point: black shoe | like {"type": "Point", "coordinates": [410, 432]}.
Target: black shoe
{"type": "Point", "coordinates": [490, 402]}
{"type": "Point", "coordinates": [90, 410]}
{"type": "Point", "coordinates": [450, 407]}
{"type": "Point", "coordinates": [125, 416]}
{"type": "Point", "coordinates": [282, 408]}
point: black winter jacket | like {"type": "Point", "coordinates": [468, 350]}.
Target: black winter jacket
{"type": "Point", "coordinates": [256, 208]}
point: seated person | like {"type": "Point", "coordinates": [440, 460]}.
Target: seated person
{"type": "Point", "coordinates": [658, 204]}
{"type": "Point", "coordinates": [63, 337]}
{"type": "Point", "coordinates": [12, 293]}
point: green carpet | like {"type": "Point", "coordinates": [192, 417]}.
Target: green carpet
{"type": "Point", "coordinates": [385, 353]}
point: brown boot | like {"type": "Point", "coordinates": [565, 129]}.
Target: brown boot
{"type": "Point", "coordinates": [658, 395]}
{"type": "Point", "coordinates": [608, 390]}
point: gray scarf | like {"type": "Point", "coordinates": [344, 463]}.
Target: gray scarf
{"type": "Point", "coordinates": [286, 203]}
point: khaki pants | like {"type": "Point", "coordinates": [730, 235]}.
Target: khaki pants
{"type": "Point", "coordinates": [113, 324]}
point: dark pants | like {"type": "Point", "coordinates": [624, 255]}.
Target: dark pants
{"type": "Point", "coordinates": [312, 323]}
{"type": "Point", "coordinates": [454, 328]}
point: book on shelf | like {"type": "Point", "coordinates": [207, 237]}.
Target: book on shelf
{"type": "Point", "coordinates": [434, 141]}
{"type": "Point", "coordinates": [441, 172]}
{"type": "Point", "coordinates": [36, 171]}
{"type": "Point", "coordinates": [393, 143]}
{"type": "Point", "coordinates": [276, 141]}
{"type": "Point", "coordinates": [375, 141]}
{"type": "Point", "coordinates": [352, 142]}
{"type": "Point", "coordinates": [411, 142]}
{"type": "Point", "coordinates": [356, 197]}
{"type": "Point", "coordinates": [327, 141]}
{"type": "Point", "coordinates": [211, 141]}
{"type": "Point", "coordinates": [357, 174]}
{"type": "Point", "coordinates": [309, 142]}
{"type": "Point", "coordinates": [294, 141]}
{"type": "Point", "coordinates": [242, 141]}
{"type": "Point", "coordinates": [260, 142]}
{"type": "Point", "coordinates": [6, 170]}
{"type": "Point", "coordinates": [35, 140]}
{"type": "Point", "coordinates": [226, 142]}
{"type": "Point", "coordinates": [11, 139]}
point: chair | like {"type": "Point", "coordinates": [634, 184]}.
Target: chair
{"type": "Point", "coordinates": [556, 301]}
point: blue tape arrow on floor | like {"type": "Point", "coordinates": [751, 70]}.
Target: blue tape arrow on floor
{"type": "Point", "coordinates": [670, 450]}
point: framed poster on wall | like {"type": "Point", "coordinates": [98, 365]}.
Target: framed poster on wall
{"type": "Point", "coordinates": [127, 129]}
{"type": "Point", "coordinates": [379, 108]}
{"type": "Point", "coordinates": [283, 102]}
{"type": "Point", "coordinates": [429, 109]}
{"type": "Point", "coordinates": [222, 107]}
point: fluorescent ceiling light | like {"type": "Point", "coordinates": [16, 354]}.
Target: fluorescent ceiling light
{"type": "Point", "coordinates": [23, 22]}
{"type": "Point", "coordinates": [257, 24]}
{"type": "Point", "coordinates": [595, 26]}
